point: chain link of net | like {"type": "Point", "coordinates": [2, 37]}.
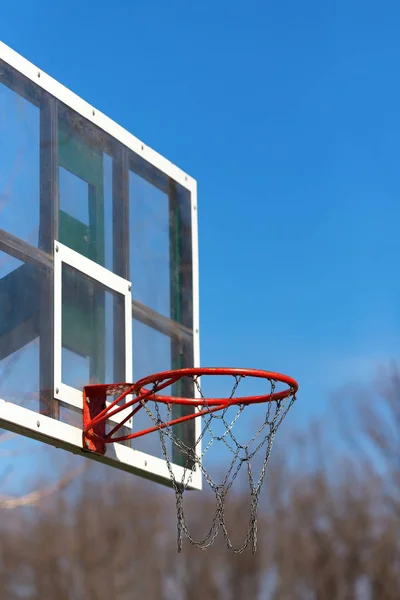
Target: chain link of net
{"type": "Point", "coordinates": [275, 412]}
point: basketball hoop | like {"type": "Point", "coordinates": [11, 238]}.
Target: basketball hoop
{"type": "Point", "coordinates": [147, 397]}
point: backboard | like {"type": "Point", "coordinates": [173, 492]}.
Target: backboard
{"type": "Point", "coordinates": [98, 266]}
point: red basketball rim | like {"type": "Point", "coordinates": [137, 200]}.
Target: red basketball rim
{"type": "Point", "coordinates": [166, 378]}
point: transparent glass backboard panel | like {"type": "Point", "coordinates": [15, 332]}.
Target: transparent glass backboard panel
{"type": "Point", "coordinates": [74, 193]}
{"type": "Point", "coordinates": [152, 352]}
{"type": "Point", "coordinates": [22, 390]}
{"type": "Point", "coordinates": [23, 322]}
{"type": "Point", "coordinates": [85, 192]}
{"type": "Point", "coordinates": [92, 314]}
{"type": "Point", "coordinates": [69, 179]}
{"type": "Point", "coordinates": [150, 263]}
{"type": "Point", "coordinates": [19, 166]}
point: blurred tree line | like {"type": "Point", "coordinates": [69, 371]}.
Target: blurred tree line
{"type": "Point", "coordinates": [329, 526]}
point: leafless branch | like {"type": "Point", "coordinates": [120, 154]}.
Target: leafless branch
{"type": "Point", "coordinates": [38, 496]}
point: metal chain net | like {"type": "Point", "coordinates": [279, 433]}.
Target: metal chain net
{"type": "Point", "coordinates": [241, 456]}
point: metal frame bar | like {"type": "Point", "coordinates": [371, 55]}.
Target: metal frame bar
{"type": "Point", "coordinates": [120, 228]}
{"type": "Point", "coordinates": [48, 232]}
{"type": "Point", "coordinates": [23, 251]}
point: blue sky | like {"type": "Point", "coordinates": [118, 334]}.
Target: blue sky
{"type": "Point", "coordinates": [287, 114]}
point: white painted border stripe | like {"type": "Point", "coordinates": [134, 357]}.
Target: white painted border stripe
{"type": "Point", "coordinates": [64, 255]}
{"type": "Point", "coordinates": [91, 269]}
